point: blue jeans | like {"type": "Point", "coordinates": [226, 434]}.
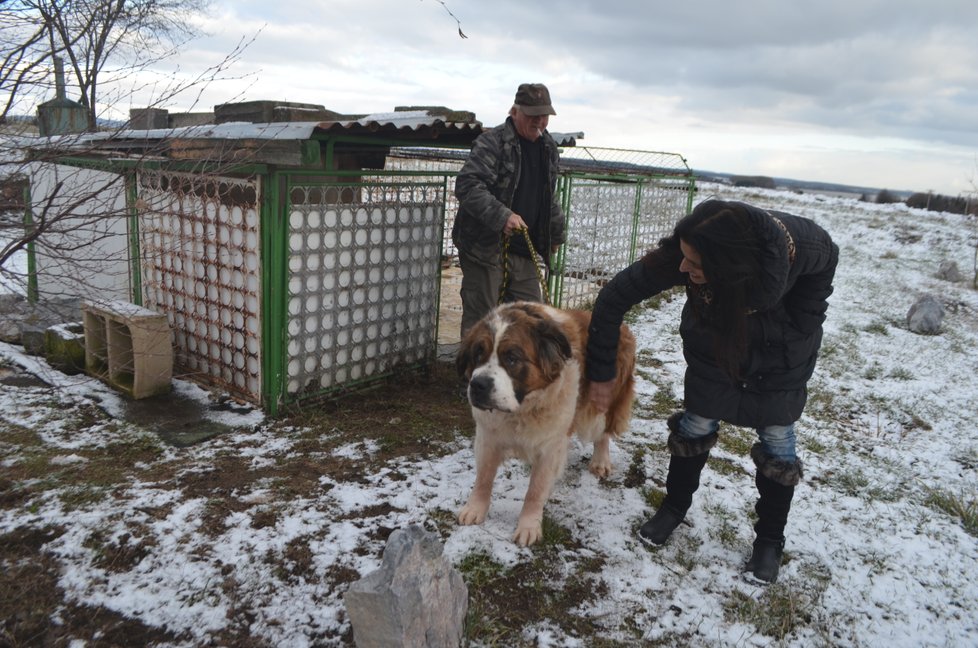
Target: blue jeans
{"type": "Point", "coordinates": [777, 441]}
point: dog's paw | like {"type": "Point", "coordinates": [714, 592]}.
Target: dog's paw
{"type": "Point", "coordinates": [528, 533]}
{"type": "Point", "coordinates": [600, 467]}
{"type": "Point", "coordinates": [472, 514]}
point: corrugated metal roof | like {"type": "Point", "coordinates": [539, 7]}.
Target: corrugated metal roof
{"type": "Point", "coordinates": [239, 141]}
{"type": "Point", "coordinates": [399, 123]}
{"type": "Point", "coordinates": [408, 124]}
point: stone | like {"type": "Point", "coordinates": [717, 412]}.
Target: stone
{"type": "Point", "coordinates": [925, 315]}
{"type": "Point", "coordinates": [64, 347]}
{"type": "Point", "coordinates": [32, 339]}
{"type": "Point", "coordinates": [949, 271]}
{"type": "Point", "coordinates": [416, 598]}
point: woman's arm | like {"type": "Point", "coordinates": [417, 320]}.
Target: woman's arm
{"type": "Point", "coordinates": [658, 270]}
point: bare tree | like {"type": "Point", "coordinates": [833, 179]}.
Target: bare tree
{"type": "Point", "coordinates": [70, 207]}
{"type": "Point", "coordinates": [23, 53]}
{"type": "Point", "coordinates": [90, 33]}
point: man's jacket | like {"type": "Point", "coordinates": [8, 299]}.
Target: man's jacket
{"type": "Point", "coordinates": [485, 187]}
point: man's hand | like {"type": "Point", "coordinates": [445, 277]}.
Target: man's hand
{"type": "Point", "coordinates": [600, 394]}
{"type": "Point", "coordinates": [514, 223]}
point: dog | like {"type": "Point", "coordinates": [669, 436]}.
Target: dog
{"type": "Point", "coordinates": [524, 363]}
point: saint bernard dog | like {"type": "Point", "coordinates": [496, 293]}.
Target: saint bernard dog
{"type": "Point", "coordinates": [524, 363]}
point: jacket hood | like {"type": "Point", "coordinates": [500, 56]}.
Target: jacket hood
{"type": "Point", "coordinates": [775, 262]}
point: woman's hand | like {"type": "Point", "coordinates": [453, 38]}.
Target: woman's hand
{"type": "Point", "coordinates": [600, 394]}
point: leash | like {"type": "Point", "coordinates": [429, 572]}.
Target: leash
{"type": "Point", "coordinates": [536, 266]}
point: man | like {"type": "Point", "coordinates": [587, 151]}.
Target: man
{"type": "Point", "coordinates": [508, 183]}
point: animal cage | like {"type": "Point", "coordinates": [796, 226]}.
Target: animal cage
{"type": "Point", "coordinates": [618, 204]}
{"type": "Point", "coordinates": [292, 274]}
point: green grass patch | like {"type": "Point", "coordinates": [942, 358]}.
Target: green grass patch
{"type": "Point", "coordinates": [635, 474]}
{"type": "Point", "coordinates": [724, 466]}
{"type": "Point", "coordinates": [659, 406]}
{"type": "Point", "coordinates": [877, 328]}
{"type": "Point", "coordinates": [503, 601]}
{"type": "Point", "coordinates": [814, 446]}
{"type": "Point", "coordinates": [900, 373]}
{"type": "Point", "coordinates": [736, 440]}
{"type": "Point", "coordinates": [873, 371]}
{"type": "Point", "coordinates": [781, 608]}
{"type": "Point", "coordinates": [654, 303]}
{"type": "Point", "coordinates": [653, 496]}
{"type": "Point", "coordinates": [962, 507]}
{"type": "Point", "coordinates": [724, 526]}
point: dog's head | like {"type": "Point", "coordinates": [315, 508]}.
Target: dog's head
{"type": "Point", "coordinates": [514, 350]}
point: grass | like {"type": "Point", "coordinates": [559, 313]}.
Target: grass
{"type": "Point", "coordinates": [427, 419]}
{"type": "Point", "coordinates": [782, 608]}
{"type": "Point", "coordinates": [724, 526]}
{"type": "Point", "coordinates": [552, 585]}
{"type": "Point", "coordinates": [964, 508]}
{"type": "Point", "coordinates": [736, 440]}
{"type": "Point", "coordinates": [555, 584]}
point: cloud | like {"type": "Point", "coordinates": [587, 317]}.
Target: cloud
{"type": "Point", "coordinates": [638, 73]}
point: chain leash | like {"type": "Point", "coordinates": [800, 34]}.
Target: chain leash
{"type": "Point", "coordinates": [536, 266]}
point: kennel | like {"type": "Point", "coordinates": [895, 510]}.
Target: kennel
{"type": "Point", "coordinates": [295, 260]}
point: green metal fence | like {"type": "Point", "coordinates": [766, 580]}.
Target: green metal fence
{"type": "Point", "coordinates": [618, 203]}
{"type": "Point", "coordinates": [285, 286]}
{"type": "Point", "coordinates": [362, 285]}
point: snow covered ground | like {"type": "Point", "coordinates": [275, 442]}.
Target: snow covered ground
{"type": "Point", "coordinates": [873, 558]}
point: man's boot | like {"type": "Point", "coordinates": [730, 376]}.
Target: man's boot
{"type": "Point", "coordinates": [685, 465]}
{"type": "Point", "coordinates": [776, 480]}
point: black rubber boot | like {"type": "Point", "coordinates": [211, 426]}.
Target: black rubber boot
{"type": "Point", "coordinates": [660, 526]}
{"type": "Point", "coordinates": [776, 480]}
{"type": "Point", "coordinates": [685, 465]}
{"type": "Point", "coordinates": [765, 559]}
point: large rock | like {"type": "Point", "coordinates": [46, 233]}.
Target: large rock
{"type": "Point", "coordinates": [416, 598]}
{"type": "Point", "coordinates": [948, 271]}
{"type": "Point", "coordinates": [925, 315]}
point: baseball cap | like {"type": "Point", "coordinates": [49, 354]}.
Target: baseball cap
{"type": "Point", "coordinates": [534, 99]}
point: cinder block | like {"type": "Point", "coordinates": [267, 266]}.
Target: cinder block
{"type": "Point", "coordinates": [128, 347]}
{"type": "Point", "coordinates": [148, 118]}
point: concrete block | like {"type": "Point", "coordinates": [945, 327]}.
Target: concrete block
{"type": "Point", "coordinates": [128, 347]}
{"type": "Point", "coordinates": [148, 118]}
{"type": "Point", "coordinates": [64, 347]}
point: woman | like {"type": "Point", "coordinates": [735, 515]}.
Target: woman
{"type": "Point", "coordinates": [757, 284]}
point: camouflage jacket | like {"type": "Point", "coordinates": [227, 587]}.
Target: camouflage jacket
{"type": "Point", "coordinates": [485, 187]}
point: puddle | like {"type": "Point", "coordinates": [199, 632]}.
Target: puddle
{"type": "Point", "coordinates": [178, 421]}
{"type": "Point", "coordinates": [13, 378]}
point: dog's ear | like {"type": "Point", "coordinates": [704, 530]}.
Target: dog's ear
{"type": "Point", "coordinates": [470, 351]}
{"type": "Point", "coordinates": [553, 348]}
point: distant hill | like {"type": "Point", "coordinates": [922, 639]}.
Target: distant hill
{"type": "Point", "coordinates": [803, 185]}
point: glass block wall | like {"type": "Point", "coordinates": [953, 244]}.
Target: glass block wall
{"type": "Point", "coordinates": [609, 225]}
{"type": "Point", "coordinates": [363, 281]}
{"type": "Point", "coordinates": [201, 266]}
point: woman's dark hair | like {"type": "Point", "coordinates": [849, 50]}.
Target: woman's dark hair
{"type": "Point", "coordinates": [730, 254]}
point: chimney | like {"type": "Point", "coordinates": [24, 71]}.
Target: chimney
{"type": "Point", "coordinates": [61, 116]}
{"type": "Point", "coordinates": [59, 78]}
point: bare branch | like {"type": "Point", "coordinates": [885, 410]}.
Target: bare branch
{"type": "Point", "coordinates": [457, 21]}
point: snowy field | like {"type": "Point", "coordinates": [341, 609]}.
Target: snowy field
{"type": "Point", "coordinates": [881, 547]}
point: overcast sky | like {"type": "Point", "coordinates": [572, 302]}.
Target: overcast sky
{"type": "Point", "coordinates": [864, 92]}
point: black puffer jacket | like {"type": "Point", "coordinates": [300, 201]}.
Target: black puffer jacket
{"type": "Point", "coordinates": [485, 187]}
{"type": "Point", "coordinates": [784, 329]}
